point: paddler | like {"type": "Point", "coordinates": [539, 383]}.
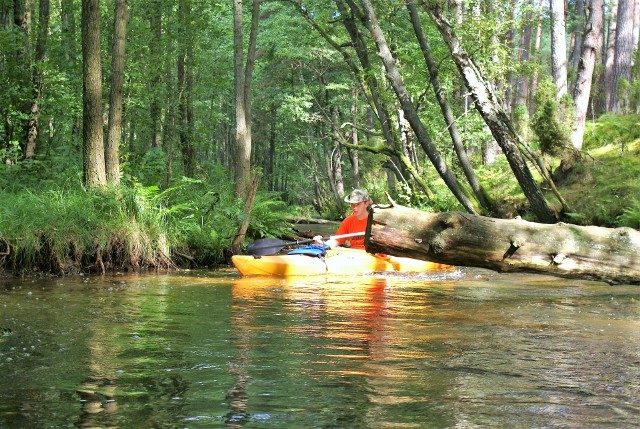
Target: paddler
{"type": "Point", "coordinates": [359, 201]}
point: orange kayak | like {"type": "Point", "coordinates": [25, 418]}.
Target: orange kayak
{"type": "Point", "coordinates": [340, 261]}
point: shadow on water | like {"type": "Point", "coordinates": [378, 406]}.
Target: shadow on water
{"type": "Point", "coordinates": [212, 349]}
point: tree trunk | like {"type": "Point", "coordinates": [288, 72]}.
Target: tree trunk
{"type": "Point", "coordinates": [558, 47]}
{"type": "Point", "coordinates": [609, 60]}
{"type": "Point", "coordinates": [248, 208]}
{"type": "Point", "coordinates": [395, 79]}
{"type": "Point", "coordinates": [522, 90]}
{"type": "Point", "coordinates": [513, 245]}
{"type": "Point", "coordinates": [636, 24]}
{"type": "Point", "coordinates": [511, 47]}
{"type": "Point", "coordinates": [591, 47]}
{"type": "Point", "coordinates": [493, 115]}
{"type": "Point", "coordinates": [22, 70]}
{"type": "Point", "coordinates": [5, 14]}
{"type": "Point", "coordinates": [155, 70]}
{"type": "Point", "coordinates": [623, 56]}
{"type": "Point", "coordinates": [242, 156]}
{"type": "Point", "coordinates": [114, 131]}
{"type": "Point", "coordinates": [92, 134]}
{"type": "Point", "coordinates": [248, 72]}
{"type": "Point", "coordinates": [185, 83]}
{"type": "Point", "coordinates": [353, 153]}
{"type": "Point", "coordinates": [38, 83]}
{"type": "Point", "coordinates": [335, 157]}
{"type": "Point", "coordinates": [170, 121]}
{"type": "Point", "coordinates": [242, 79]}
{"type": "Point", "coordinates": [447, 113]}
{"type": "Point", "coordinates": [536, 59]}
{"type": "Point", "coordinates": [578, 33]}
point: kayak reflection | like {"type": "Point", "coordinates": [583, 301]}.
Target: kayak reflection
{"type": "Point", "coordinates": [338, 320]}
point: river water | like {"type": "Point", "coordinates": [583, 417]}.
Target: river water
{"type": "Point", "coordinates": [209, 349]}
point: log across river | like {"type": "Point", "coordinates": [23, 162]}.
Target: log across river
{"type": "Point", "coordinates": [506, 245]}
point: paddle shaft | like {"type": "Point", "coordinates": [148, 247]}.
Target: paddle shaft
{"type": "Point", "coordinates": [277, 245]}
{"type": "Point", "coordinates": [310, 240]}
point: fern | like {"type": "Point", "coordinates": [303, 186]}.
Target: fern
{"type": "Point", "coordinates": [631, 216]}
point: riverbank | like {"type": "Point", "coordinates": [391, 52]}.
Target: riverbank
{"type": "Point", "coordinates": [66, 229]}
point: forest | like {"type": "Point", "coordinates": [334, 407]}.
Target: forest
{"type": "Point", "coordinates": [171, 133]}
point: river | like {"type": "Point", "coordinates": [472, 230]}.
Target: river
{"type": "Point", "coordinates": [209, 349]}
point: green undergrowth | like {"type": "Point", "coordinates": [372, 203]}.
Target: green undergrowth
{"type": "Point", "coordinates": [602, 189]}
{"type": "Point", "coordinates": [133, 227]}
{"type": "Point", "coordinates": [605, 188]}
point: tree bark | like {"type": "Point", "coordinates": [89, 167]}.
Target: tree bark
{"type": "Point", "coordinates": [114, 130]}
{"type": "Point", "coordinates": [37, 79]}
{"type": "Point", "coordinates": [507, 104]}
{"type": "Point", "coordinates": [155, 70]}
{"type": "Point", "coordinates": [248, 72]}
{"type": "Point", "coordinates": [92, 134]}
{"type": "Point", "coordinates": [624, 55]}
{"type": "Point", "coordinates": [185, 79]}
{"type": "Point", "coordinates": [170, 120]}
{"type": "Point", "coordinates": [335, 157]}
{"type": "Point", "coordinates": [395, 79]}
{"type": "Point", "coordinates": [493, 115]}
{"type": "Point", "coordinates": [522, 90]}
{"type": "Point", "coordinates": [248, 208]}
{"type": "Point", "coordinates": [22, 73]}
{"type": "Point", "coordinates": [578, 33]}
{"type": "Point", "coordinates": [609, 60]}
{"type": "Point", "coordinates": [353, 153]}
{"type": "Point", "coordinates": [512, 245]}
{"type": "Point", "coordinates": [536, 58]}
{"type": "Point", "coordinates": [636, 24]}
{"type": "Point", "coordinates": [558, 47]}
{"type": "Point", "coordinates": [242, 77]}
{"type": "Point", "coordinates": [242, 157]}
{"type": "Point", "coordinates": [591, 45]}
{"type": "Point", "coordinates": [447, 113]}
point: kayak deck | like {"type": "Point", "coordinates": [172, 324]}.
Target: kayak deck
{"type": "Point", "coordinates": [337, 261]}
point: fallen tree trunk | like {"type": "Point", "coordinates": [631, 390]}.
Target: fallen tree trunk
{"type": "Point", "coordinates": [506, 245]}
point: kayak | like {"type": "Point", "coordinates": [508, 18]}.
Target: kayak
{"type": "Point", "coordinates": [340, 261]}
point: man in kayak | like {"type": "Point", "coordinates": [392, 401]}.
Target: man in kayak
{"type": "Point", "coordinates": [356, 222]}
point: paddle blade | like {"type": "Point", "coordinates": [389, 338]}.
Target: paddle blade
{"type": "Point", "coordinates": [265, 246]}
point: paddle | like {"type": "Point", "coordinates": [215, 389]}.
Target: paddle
{"type": "Point", "coordinates": [269, 246]}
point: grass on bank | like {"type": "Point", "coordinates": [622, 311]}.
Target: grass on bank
{"type": "Point", "coordinates": [72, 230]}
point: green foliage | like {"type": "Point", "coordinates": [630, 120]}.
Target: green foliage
{"type": "Point", "coordinates": [150, 168]}
{"type": "Point", "coordinates": [441, 199]}
{"type": "Point", "coordinates": [11, 152]}
{"type": "Point", "coordinates": [624, 86]}
{"type": "Point", "coordinates": [133, 226]}
{"type": "Point", "coordinates": [61, 230]}
{"type": "Point", "coordinates": [614, 130]}
{"type": "Point", "coordinates": [605, 189]}
{"type": "Point", "coordinates": [553, 120]}
{"type": "Point", "coordinates": [631, 215]}
{"type": "Point", "coordinates": [634, 93]}
{"type": "Point", "coordinates": [269, 216]}
{"type": "Point", "coordinates": [521, 120]}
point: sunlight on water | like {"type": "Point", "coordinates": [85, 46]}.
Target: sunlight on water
{"type": "Point", "coordinates": [211, 349]}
